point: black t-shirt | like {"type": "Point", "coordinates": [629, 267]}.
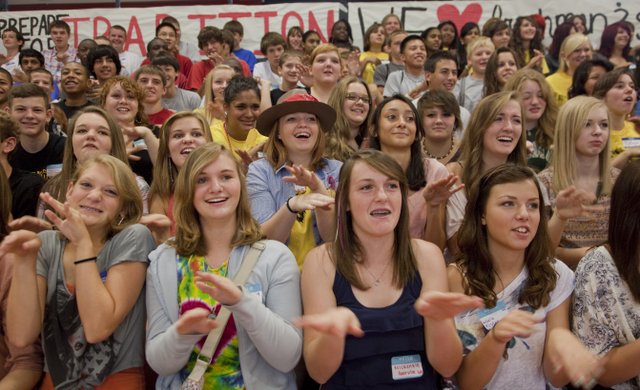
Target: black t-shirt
{"type": "Point", "coordinates": [25, 188]}
{"type": "Point", "coordinates": [69, 111]}
{"type": "Point", "coordinates": [37, 162]}
{"type": "Point", "coordinates": [144, 166]}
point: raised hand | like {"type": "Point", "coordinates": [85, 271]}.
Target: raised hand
{"type": "Point", "coordinates": [159, 224]}
{"type": "Point", "coordinates": [68, 220]}
{"type": "Point", "coordinates": [572, 202]}
{"type": "Point", "coordinates": [219, 288]}
{"type": "Point", "coordinates": [310, 201]}
{"type": "Point", "coordinates": [31, 223]}
{"type": "Point", "coordinates": [438, 305]}
{"type": "Point", "coordinates": [303, 177]}
{"type": "Point", "coordinates": [338, 321]}
{"type": "Point", "coordinates": [23, 244]}
{"type": "Point", "coordinates": [438, 192]}
{"type": "Point", "coordinates": [195, 321]}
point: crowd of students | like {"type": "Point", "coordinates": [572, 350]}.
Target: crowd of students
{"type": "Point", "coordinates": [455, 209]}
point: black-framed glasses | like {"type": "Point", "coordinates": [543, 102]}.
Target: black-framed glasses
{"type": "Point", "coordinates": [357, 98]}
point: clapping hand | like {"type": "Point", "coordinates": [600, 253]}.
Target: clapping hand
{"type": "Point", "coordinates": [338, 321]}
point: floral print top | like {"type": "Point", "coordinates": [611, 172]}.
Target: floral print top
{"type": "Point", "coordinates": [605, 315]}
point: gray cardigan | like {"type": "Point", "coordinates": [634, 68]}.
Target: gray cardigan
{"type": "Point", "coordinates": [269, 345]}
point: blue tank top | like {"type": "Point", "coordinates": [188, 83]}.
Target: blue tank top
{"type": "Point", "coordinates": [392, 352]}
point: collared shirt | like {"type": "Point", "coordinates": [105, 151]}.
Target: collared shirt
{"type": "Point", "coordinates": [54, 66]}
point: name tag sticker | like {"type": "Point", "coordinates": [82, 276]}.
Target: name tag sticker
{"type": "Point", "coordinates": [629, 143]}
{"type": "Point", "coordinates": [255, 290]}
{"type": "Point", "coordinates": [406, 367]}
{"type": "Point", "coordinates": [489, 317]}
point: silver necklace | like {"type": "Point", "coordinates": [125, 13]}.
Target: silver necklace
{"type": "Point", "coordinates": [377, 281]}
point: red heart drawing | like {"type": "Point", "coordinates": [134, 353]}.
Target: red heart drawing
{"type": "Point", "coordinates": [471, 13]}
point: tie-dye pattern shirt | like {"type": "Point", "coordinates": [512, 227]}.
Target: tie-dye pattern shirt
{"type": "Point", "coordinates": [224, 372]}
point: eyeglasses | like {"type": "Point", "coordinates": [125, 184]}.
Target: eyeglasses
{"type": "Point", "coordinates": [357, 98]}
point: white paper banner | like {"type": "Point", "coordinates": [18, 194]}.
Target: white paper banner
{"type": "Point", "coordinates": [140, 23]}
{"type": "Point", "coordinates": [419, 15]}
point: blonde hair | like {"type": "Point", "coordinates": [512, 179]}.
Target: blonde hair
{"type": "Point", "coordinates": [189, 239]}
{"type": "Point", "coordinates": [569, 45]}
{"type": "Point", "coordinates": [165, 171]}
{"type": "Point", "coordinates": [208, 93]}
{"type": "Point", "coordinates": [571, 120]}
{"type": "Point", "coordinates": [478, 43]}
{"type": "Point", "coordinates": [126, 186]}
{"type": "Point", "coordinates": [547, 122]}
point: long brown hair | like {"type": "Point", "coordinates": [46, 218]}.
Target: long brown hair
{"type": "Point", "coordinates": [473, 142]}
{"type": "Point", "coordinates": [57, 186]}
{"type": "Point", "coordinates": [189, 239]}
{"type": "Point", "coordinates": [347, 250]}
{"type": "Point", "coordinates": [338, 136]}
{"type": "Point", "coordinates": [165, 171]}
{"type": "Point", "coordinates": [476, 261]}
{"type": "Point", "coordinates": [624, 227]}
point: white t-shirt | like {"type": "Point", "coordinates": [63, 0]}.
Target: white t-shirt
{"type": "Point", "coordinates": [263, 70]}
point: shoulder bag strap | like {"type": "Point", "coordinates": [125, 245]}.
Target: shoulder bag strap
{"type": "Point", "coordinates": [213, 339]}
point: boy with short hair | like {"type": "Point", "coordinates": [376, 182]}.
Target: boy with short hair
{"type": "Point", "coordinates": [237, 30]}
{"type": "Point", "coordinates": [272, 45]}
{"type": "Point", "coordinates": [176, 99]}
{"type": "Point", "coordinates": [25, 186]}
{"type": "Point", "coordinates": [74, 81]}
{"type": "Point", "coordinates": [395, 63]}
{"type": "Point", "coordinates": [185, 48]}
{"type": "Point", "coordinates": [12, 40]}
{"type": "Point", "coordinates": [62, 52]}
{"type": "Point", "coordinates": [39, 151]}
{"type": "Point", "coordinates": [413, 54]}
{"type": "Point", "coordinates": [129, 60]}
{"type": "Point", "coordinates": [210, 40]}
{"type": "Point", "coordinates": [168, 33]}
{"type": "Point", "coordinates": [43, 79]}
{"type": "Point", "coordinates": [289, 69]}
{"type": "Point", "coordinates": [153, 81]}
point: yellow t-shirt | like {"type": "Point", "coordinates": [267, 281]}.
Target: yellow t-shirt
{"type": "Point", "coordinates": [543, 64]}
{"type": "Point", "coordinates": [615, 137]}
{"type": "Point", "coordinates": [369, 70]}
{"type": "Point", "coordinates": [254, 138]}
{"type": "Point", "coordinates": [560, 83]}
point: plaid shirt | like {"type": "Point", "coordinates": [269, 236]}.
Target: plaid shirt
{"type": "Point", "coordinates": [53, 65]}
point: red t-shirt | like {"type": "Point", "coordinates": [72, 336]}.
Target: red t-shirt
{"type": "Point", "coordinates": [160, 117]}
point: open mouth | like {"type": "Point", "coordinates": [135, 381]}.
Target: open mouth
{"type": "Point", "coordinates": [505, 139]}
{"type": "Point", "coordinates": [522, 230]}
{"type": "Point", "coordinates": [91, 209]}
{"type": "Point", "coordinates": [302, 135]}
{"type": "Point", "coordinates": [380, 213]}
{"type": "Point", "coordinates": [186, 151]}
{"type": "Point", "coordinates": [216, 200]}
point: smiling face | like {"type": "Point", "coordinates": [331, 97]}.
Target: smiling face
{"type": "Point", "coordinates": [153, 86]}
{"type": "Point", "coordinates": [295, 41]}
{"type": "Point", "coordinates": [185, 135]}
{"type": "Point", "coordinates": [576, 57]}
{"type": "Point", "coordinates": [340, 31]}
{"type": "Point", "coordinates": [220, 81]}
{"type": "Point", "coordinates": [438, 124]}
{"type": "Point", "coordinates": [313, 41]}
{"type": "Point", "coordinates": [96, 196]}
{"type": "Point", "coordinates": [356, 104]}
{"type": "Point", "coordinates": [122, 105]}
{"type": "Point", "coordinates": [592, 139]}
{"type": "Point", "coordinates": [501, 38]}
{"type": "Point", "coordinates": [104, 68]}
{"type": "Point", "coordinates": [243, 111]}
{"type": "Point", "coordinates": [621, 98]}
{"type": "Point", "coordinates": [503, 135]}
{"type": "Point", "coordinates": [414, 54]}
{"type": "Point", "coordinates": [506, 67]}
{"type": "Point", "coordinates": [433, 40]}
{"type": "Point", "coordinates": [471, 35]}
{"type": "Point", "coordinates": [299, 133]}
{"type": "Point", "coordinates": [217, 190]}
{"type": "Point", "coordinates": [375, 201]}
{"type": "Point", "coordinates": [444, 77]}
{"type": "Point", "coordinates": [74, 78]}
{"type": "Point", "coordinates": [511, 217]}
{"type": "Point", "coordinates": [479, 59]}
{"type": "Point", "coordinates": [622, 38]}
{"type": "Point", "coordinates": [168, 35]}
{"type": "Point", "coordinates": [533, 101]}
{"type": "Point", "coordinates": [31, 114]}
{"type": "Point", "coordinates": [578, 25]}
{"type": "Point", "coordinates": [117, 38]}
{"type": "Point", "coordinates": [527, 30]}
{"type": "Point", "coordinates": [91, 135]}
{"type": "Point", "coordinates": [391, 24]}
{"type": "Point", "coordinates": [397, 126]}
{"type": "Point", "coordinates": [448, 33]}
{"type": "Point", "coordinates": [290, 69]}
{"type": "Point", "coordinates": [326, 68]}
